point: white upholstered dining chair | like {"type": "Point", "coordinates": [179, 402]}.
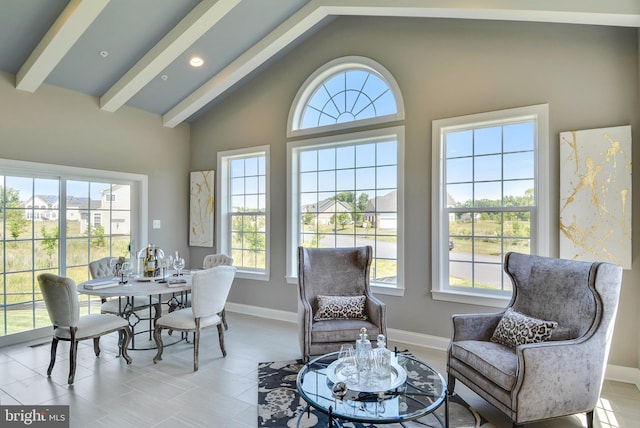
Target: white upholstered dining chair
{"type": "Point", "coordinates": [209, 292]}
{"type": "Point", "coordinates": [61, 299]}
{"type": "Point", "coordinates": [213, 260]}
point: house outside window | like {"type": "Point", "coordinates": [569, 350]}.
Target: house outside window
{"type": "Point", "coordinates": [490, 198]}
{"type": "Point", "coordinates": [347, 190]}
{"type": "Point", "coordinates": [243, 211]}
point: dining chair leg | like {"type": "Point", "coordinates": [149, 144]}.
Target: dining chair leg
{"type": "Point", "coordinates": [73, 344]}
{"type": "Point", "coordinates": [221, 339]}
{"type": "Point", "coordinates": [223, 315]}
{"type": "Point", "coordinates": [125, 333]}
{"type": "Point", "coordinates": [196, 344]}
{"type": "Point", "coordinates": [96, 346]}
{"type": "Point", "coordinates": [54, 347]}
{"type": "Point", "coordinates": [157, 336]}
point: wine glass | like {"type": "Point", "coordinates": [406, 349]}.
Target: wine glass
{"type": "Point", "coordinates": [126, 270]}
{"type": "Point", "coordinates": [114, 267]}
{"type": "Point", "coordinates": [178, 265]}
{"type": "Point", "coordinates": [347, 365]}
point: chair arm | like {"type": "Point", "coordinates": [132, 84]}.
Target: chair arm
{"type": "Point", "coordinates": [474, 326]}
{"type": "Point", "coordinates": [305, 319]}
{"type": "Point", "coordinates": [571, 369]}
{"type": "Point", "coordinates": [376, 310]}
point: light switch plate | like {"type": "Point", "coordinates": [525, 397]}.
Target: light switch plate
{"type": "Point", "coordinates": [156, 224]}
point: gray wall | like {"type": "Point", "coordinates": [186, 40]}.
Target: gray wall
{"type": "Point", "coordinates": [58, 126]}
{"type": "Point", "coordinates": [445, 68]}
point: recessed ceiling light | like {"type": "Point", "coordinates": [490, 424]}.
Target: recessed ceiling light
{"type": "Point", "coordinates": [196, 61]}
{"type": "Point", "coordinates": [164, 77]}
{"type": "Point", "coordinates": [104, 54]}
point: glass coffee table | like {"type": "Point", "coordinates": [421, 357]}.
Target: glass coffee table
{"type": "Point", "coordinates": [423, 391]}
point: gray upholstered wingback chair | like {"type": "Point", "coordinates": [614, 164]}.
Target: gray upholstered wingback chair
{"type": "Point", "coordinates": [335, 272]}
{"type": "Point", "coordinates": [560, 376]}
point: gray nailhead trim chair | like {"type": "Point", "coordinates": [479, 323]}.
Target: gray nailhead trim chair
{"type": "Point", "coordinates": [559, 377]}
{"type": "Point", "coordinates": [209, 292]}
{"type": "Point", "coordinates": [61, 298]}
{"type": "Point", "coordinates": [335, 272]}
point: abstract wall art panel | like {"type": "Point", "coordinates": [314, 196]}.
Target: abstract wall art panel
{"type": "Point", "coordinates": [201, 209]}
{"type": "Point", "coordinates": [595, 195]}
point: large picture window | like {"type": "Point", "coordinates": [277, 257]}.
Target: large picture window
{"type": "Point", "coordinates": [491, 192]}
{"type": "Point", "coordinates": [347, 194]}
{"type": "Point", "coordinates": [346, 190]}
{"type": "Point", "coordinates": [50, 222]}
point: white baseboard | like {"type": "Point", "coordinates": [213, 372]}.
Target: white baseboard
{"type": "Point", "coordinates": [613, 372]}
{"type": "Point", "coordinates": [258, 311]}
{"type": "Point", "coordinates": [623, 374]}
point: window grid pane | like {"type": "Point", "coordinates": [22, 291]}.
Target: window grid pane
{"type": "Point", "coordinates": [248, 212]}
{"type": "Point", "coordinates": [354, 202]}
{"type": "Point", "coordinates": [348, 96]}
{"type": "Point", "coordinates": [489, 181]}
{"type": "Point", "coordinates": [97, 217]}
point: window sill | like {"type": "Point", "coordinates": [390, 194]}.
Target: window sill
{"type": "Point", "coordinates": [377, 289]}
{"type": "Point", "coordinates": [252, 275]}
{"type": "Point", "coordinates": [494, 301]}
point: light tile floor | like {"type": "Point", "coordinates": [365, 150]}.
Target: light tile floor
{"type": "Point", "coordinates": [223, 393]}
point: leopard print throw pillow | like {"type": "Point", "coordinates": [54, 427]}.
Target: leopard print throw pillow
{"type": "Point", "coordinates": [340, 308]}
{"type": "Point", "coordinates": [517, 329]}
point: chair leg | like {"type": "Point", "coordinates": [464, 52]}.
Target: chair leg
{"type": "Point", "coordinates": [125, 334]}
{"type": "Point", "coordinates": [54, 347]}
{"type": "Point", "coordinates": [196, 345]}
{"type": "Point", "coordinates": [221, 339]}
{"type": "Point", "coordinates": [157, 336]}
{"type": "Point", "coordinates": [590, 419]}
{"type": "Point", "coordinates": [451, 384]}
{"type": "Point", "coordinates": [96, 346]}
{"type": "Point", "coordinates": [73, 344]}
{"type": "Point", "coordinates": [223, 315]}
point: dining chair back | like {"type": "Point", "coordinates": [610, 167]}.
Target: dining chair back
{"type": "Point", "coordinates": [209, 291]}
{"type": "Point", "coordinates": [213, 260]}
{"type": "Point", "coordinates": [61, 299]}
{"type": "Point", "coordinates": [145, 308]}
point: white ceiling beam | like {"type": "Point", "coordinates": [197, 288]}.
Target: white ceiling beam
{"type": "Point", "coordinates": [197, 22]}
{"type": "Point", "coordinates": [585, 12]}
{"type": "Point", "coordinates": [72, 22]}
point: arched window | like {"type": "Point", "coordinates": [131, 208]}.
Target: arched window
{"type": "Point", "coordinates": [346, 189]}
{"type": "Point", "coordinates": [344, 93]}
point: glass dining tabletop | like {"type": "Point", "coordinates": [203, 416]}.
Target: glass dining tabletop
{"type": "Point", "coordinates": [423, 392]}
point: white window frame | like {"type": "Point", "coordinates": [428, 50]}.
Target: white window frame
{"type": "Point", "coordinates": [540, 231]}
{"type": "Point", "coordinates": [223, 217]}
{"type": "Point", "coordinates": [293, 202]}
{"type": "Point", "coordinates": [139, 210]}
{"type": "Point", "coordinates": [327, 70]}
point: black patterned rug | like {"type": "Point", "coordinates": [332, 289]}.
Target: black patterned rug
{"type": "Point", "coordinates": [280, 405]}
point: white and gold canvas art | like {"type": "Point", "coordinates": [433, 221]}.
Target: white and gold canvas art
{"type": "Point", "coordinates": [595, 195]}
{"type": "Point", "coordinates": [201, 209]}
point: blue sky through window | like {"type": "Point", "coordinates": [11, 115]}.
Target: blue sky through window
{"type": "Point", "coordinates": [490, 162]}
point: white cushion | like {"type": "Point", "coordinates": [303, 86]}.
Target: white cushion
{"type": "Point", "coordinates": [183, 319]}
{"type": "Point", "coordinates": [93, 325]}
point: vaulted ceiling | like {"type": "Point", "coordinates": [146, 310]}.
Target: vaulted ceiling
{"type": "Point", "coordinates": [137, 52]}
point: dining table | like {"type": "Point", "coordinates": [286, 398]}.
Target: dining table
{"type": "Point", "coordinates": [136, 291]}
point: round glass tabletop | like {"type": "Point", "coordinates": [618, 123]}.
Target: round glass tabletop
{"type": "Point", "coordinates": [421, 394]}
